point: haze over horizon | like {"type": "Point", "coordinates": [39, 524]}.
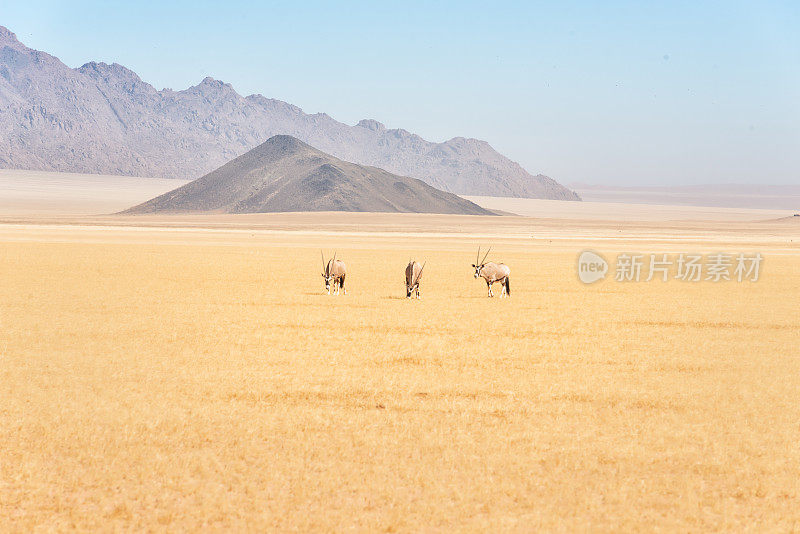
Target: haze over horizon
{"type": "Point", "coordinates": [613, 94]}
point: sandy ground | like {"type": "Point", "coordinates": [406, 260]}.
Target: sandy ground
{"type": "Point", "coordinates": [41, 194]}
{"type": "Point", "coordinates": [189, 373]}
{"type": "Point", "coordinates": [37, 204]}
{"type": "Point", "coordinates": [45, 194]}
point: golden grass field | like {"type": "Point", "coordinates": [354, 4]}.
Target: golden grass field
{"type": "Point", "coordinates": [189, 374]}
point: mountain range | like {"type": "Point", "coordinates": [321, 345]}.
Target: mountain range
{"type": "Point", "coordinates": [285, 174]}
{"type": "Point", "coordinates": [102, 118]}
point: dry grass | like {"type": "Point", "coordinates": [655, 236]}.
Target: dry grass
{"type": "Point", "coordinates": [168, 386]}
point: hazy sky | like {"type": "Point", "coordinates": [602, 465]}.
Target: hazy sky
{"type": "Point", "coordinates": [594, 92]}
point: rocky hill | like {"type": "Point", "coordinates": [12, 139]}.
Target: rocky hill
{"type": "Point", "coordinates": [285, 174]}
{"type": "Point", "coordinates": [102, 118]}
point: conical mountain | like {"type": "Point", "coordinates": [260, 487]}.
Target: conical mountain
{"type": "Point", "coordinates": [285, 174]}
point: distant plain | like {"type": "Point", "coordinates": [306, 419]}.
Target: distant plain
{"type": "Point", "coordinates": [761, 196]}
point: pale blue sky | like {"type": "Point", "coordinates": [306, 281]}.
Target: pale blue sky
{"type": "Point", "coordinates": [596, 92]}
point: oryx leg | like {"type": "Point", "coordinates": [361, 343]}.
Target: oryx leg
{"type": "Point", "coordinates": [341, 283]}
{"type": "Point", "coordinates": [502, 288]}
{"type": "Point", "coordinates": [489, 287]}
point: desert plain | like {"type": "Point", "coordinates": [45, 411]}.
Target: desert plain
{"type": "Point", "coordinates": [189, 372]}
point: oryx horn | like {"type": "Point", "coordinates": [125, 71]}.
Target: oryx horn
{"type": "Point", "coordinates": [485, 255]}
{"type": "Point", "coordinates": [416, 280]}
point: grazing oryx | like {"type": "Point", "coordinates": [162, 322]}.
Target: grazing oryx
{"type": "Point", "coordinates": [333, 271]}
{"type": "Point", "coordinates": [413, 276]}
{"type": "Point", "coordinates": [493, 272]}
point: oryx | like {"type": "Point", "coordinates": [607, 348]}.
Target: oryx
{"type": "Point", "coordinates": [413, 277]}
{"type": "Point", "coordinates": [492, 272]}
{"type": "Point", "coordinates": [333, 272]}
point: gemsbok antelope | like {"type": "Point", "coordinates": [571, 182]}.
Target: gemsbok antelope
{"type": "Point", "coordinates": [493, 272]}
{"type": "Point", "coordinates": [413, 277]}
{"type": "Point", "coordinates": [334, 272]}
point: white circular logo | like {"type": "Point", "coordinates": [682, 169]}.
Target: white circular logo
{"type": "Point", "coordinates": [591, 267]}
